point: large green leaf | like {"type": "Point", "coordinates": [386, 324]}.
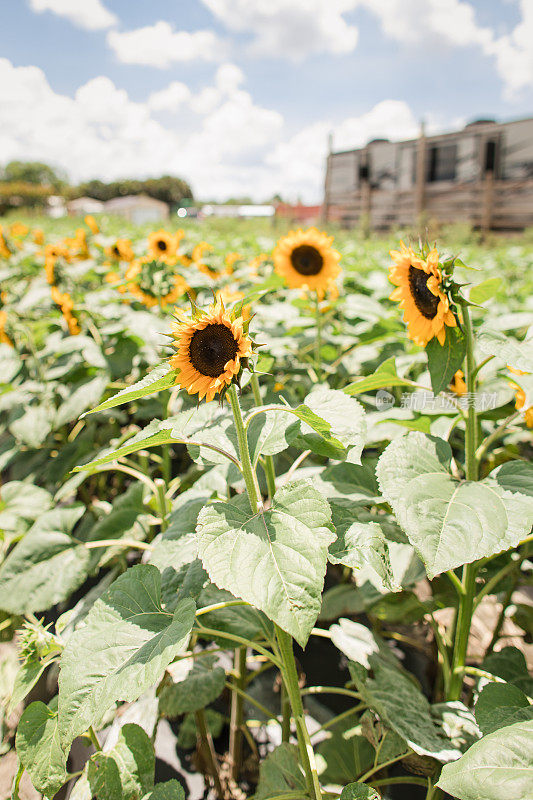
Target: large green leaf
{"type": "Point", "coordinates": [155, 434]}
{"type": "Point", "coordinates": [280, 773]}
{"type": "Point", "coordinates": [449, 522]}
{"type": "Point", "coordinates": [46, 566]}
{"type": "Point", "coordinates": [175, 552]}
{"type": "Point", "coordinates": [514, 353]}
{"type": "Point", "coordinates": [39, 749]}
{"type": "Point", "coordinates": [158, 379]}
{"type": "Point", "coordinates": [360, 544]}
{"type": "Point", "coordinates": [359, 791]}
{"type": "Point", "coordinates": [123, 647]}
{"type": "Point", "coordinates": [275, 559]}
{"type": "Point", "coordinates": [498, 767]}
{"type": "Point", "coordinates": [358, 643]}
{"type": "Point", "coordinates": [333, 424]}
{"type": "Point", "coordinates": [444, 360]}
{"type": "Point", "coordinates": [170, 790]}
{"type": "Point", "coordinates": [510, 664]}
{"type": "Point", "coordinates": [384, 376]}
{"type": "Point", "coordinates": [344, 753]}
{"type": "Point", "coordinates": [403, 707]}
{"type": "Point", "coordinates": [195, 684]}
{"type": "Point", "coordinates": [501, 704]}
{"type": "Point", "coordinates": [19, 500]}
{"type": "Point", "coordinates": [270, 433]}
{"type": "Point", "coordinates": [79, 400]}
{"type": "Point", "coordinates": [34, 425]}
{"type": "Point", "coordinates": [131, 774]}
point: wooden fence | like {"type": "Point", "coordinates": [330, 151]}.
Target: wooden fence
{"type": "Point", "coordinates": [489, 205]}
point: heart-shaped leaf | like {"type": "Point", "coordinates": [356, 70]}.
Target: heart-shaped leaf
{"type": "Point", "coordinates": [126, 642]}
{"type": "Point", "coordinates": [275, 559]}
{"type": "Point", "coordinates": [498, 767]}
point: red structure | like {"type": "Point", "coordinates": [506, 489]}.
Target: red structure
{"type": "Point", "coordinates": [300, 214]}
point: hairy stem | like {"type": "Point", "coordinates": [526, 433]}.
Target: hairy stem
{"type": "Point", "coordinates": [466, 599]}
{"type": "Point", "coordinates": [236, 714]}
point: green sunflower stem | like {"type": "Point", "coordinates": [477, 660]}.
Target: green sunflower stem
{"type": "Point", "coordinates": [250, 478]}
{"type": "Point", "coordinates": [318, 339]}
{"type": "Point", "coordinates": [270, 472]}
{"type": "Point", "coordinates": [288, 670]}
{"type": "Point", "coordinates": [290, 682]}
{"type": "Point", "coordinates": [466, 599]}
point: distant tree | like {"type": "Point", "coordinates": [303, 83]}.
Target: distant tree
{"type": "Point", "coordinates": [35, 172]}
{"type": "Point", "coordinates": [167, 188]}
{"type": "Point", "coordinates": [22, 194]}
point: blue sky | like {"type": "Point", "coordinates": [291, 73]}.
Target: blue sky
{"type": "Point", "coordinates": [238, 96]}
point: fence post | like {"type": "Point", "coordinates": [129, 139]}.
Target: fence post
{"type": "Point", "coordinates": [325, 207]}
{"type": "Point", "coordinates": [420, 173]}
{"type": "Point", "coordinates": [488, 201]}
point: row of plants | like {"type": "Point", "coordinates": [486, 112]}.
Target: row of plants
{"type": "Point", "coordinates": [244, 498]}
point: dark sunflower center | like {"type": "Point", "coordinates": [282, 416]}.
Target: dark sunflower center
{"type": "Point", "coordinates": [162, 245]}
{"type": "Point", "coordinates": [424, 299]}
{"type": "Point", "coordinates": [116, 250]}
{"type": "Point", "coordinates": [211, 348]}
{"type": "Point", "coordinates": [306, 260]}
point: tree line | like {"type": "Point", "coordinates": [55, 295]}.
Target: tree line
{"type": "Point", "coordinates": [29, 184]}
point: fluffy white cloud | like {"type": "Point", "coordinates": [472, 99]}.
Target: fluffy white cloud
{"type": "Point", "coordinates": [453, 23]}
{"type": "Point", "coordinates": [170, 99]}
{"type": "Point", "coordinates": [448, 21]}
{"type": "Point", "coordinates": [514, 52]}
{"type": "Point", "coordinates": [235, 147]}
{"type": "Point", "coordinates": [291, 29]}
{"type": "Point", "coordinates": [159, 45]}
{"type": "Point", "coordinates": [299, 162]}
{"type": "Point", "coordinates": [89, 14]}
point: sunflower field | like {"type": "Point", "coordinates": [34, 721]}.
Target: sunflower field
{"type": "Point", "coordinates": [266, 514]}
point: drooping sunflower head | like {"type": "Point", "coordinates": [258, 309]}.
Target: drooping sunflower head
{"type": "Point", "coordinates": [162, 243]}
{"type": "Point", "coordinates": [307, 260]}
{"type": "Point", "coordinates": [155, 281]}
{"type": "Point", "coordinates": [212, 348]}
{"type": "Point", "coordinates": [420, 292]}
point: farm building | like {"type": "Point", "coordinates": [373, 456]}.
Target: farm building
{"type": "Point", "coordinates": [84, 205]}
{"type": "Point", "coordinates": [138, 208]}
{"type": "Point", "coordinates": [482, 175]}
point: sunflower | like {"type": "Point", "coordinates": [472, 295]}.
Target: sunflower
{"type": "Point", "coordinates": [120, 251]}
{"type": "Point", "coordinates": [4, 338]}
{"type": "Point", "coordinates": [91, 224]}
{"type": "Point", "coordinates": [426, 308]}
{"type": "Point", "coordinates": [38, 235]}
{"type": "Point", "coordinates": [307, 260]}
{"type": "Point", "coordinates": [66, 304]}
{"type": "Point", "coordinates": [212, 347]}
{"type": "Point", "coordinates": [457, 383]}
{"type": "Point", "coordinates": [162, 243]}
{"type": "Point", "coordinates": [230, 296]}
{"type": "Point", "coordinates": [5, 252]}
{"type": "Point", "coordinates": [19, 230]}
{"type": "Point", "coordinates": [520, 398]}
{"type": "Point", "coordinates": [155, 281]}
